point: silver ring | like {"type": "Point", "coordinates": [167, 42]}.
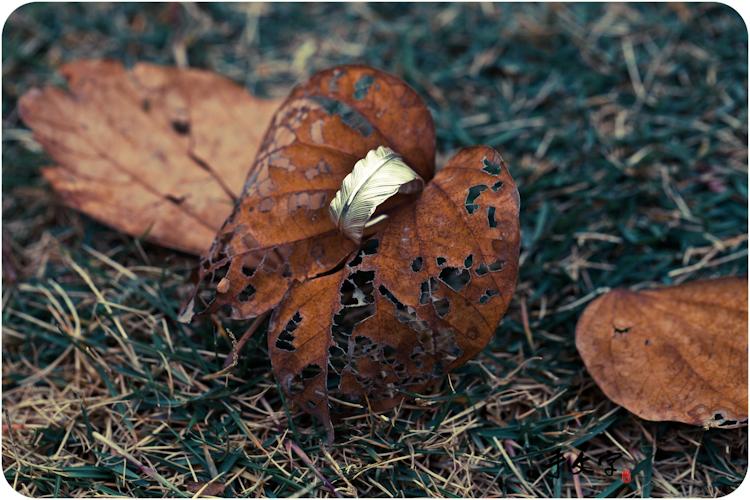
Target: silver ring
{"type": "Point", "coordinates": [379, 176]}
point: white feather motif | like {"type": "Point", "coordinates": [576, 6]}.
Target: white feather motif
{"type": "Point", "coordinates": [375, 178]}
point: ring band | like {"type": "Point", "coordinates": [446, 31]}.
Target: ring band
{"type": "Point", "coordinates": [376, 178]}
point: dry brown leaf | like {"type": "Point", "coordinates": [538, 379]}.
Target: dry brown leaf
{"type": "Point", "coordinates": [677, 353]}
{"type": "Point", "coordinates": [281, 231]}
{"type": "Point", "coordinates": [155, 151]}
{"type": "Point", "coordinates": [417, 299]}
{"type": "Point", "coordinates": [422, 296]}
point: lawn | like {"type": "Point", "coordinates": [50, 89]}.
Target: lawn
{"type": "Point", "coordinates": [625, 127]}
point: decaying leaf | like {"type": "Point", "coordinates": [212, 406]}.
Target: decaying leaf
{"type": "Point", "coordinates": [421, 297]}
{"type": "Point", "coordinates": [281, 230]}
{"type": "Point", "coordinates": [154, 151]}
{"type": "Point", "coordinates": [677, 353]}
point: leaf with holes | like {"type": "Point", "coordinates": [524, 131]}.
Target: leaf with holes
{"type": "Point", "coordinates": [152, 151]}
{"type": "Point", "coordinates": [677, 353]}
{"type": "Point", "coordinates": [280, 231]}
{"type": "Point", "coordinates": [421, 297]}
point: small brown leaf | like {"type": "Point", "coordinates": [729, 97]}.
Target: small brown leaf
{"type": "Point", "coordinates": [676, 353]}
{"type": "Point", "coordinates": [281, 231]}
{"type": "Point", "coordinates": [154, 151]}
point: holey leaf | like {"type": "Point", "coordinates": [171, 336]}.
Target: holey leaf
{"type": "Point", "coordinates": [155, 152]}
{"type": "Point", "coordinates": [419, 297]}
{"type": "Point", "coordinates": [676, 353]}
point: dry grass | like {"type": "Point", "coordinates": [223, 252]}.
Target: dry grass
{"type": "Point", "coordinates": [626, 127]}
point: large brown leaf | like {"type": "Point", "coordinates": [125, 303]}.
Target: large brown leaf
{"type": "Point", "coordinates": [421, 297]}
{"type": "Point", "coordinates": [281, 231]}
{"type": "Point", "coordinates": [154, 151]}
{"type": "Point", "coordinates": [677, 353]}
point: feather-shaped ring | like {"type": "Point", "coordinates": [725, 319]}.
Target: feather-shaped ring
{"type": "Point", "coordinates": [376, 179]}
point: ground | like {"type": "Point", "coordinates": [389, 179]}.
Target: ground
{"type": "Point", "coordinates": [626, 129]}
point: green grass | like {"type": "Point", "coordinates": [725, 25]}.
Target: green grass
{"type": "Point", "coordinates": [626, 129]}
